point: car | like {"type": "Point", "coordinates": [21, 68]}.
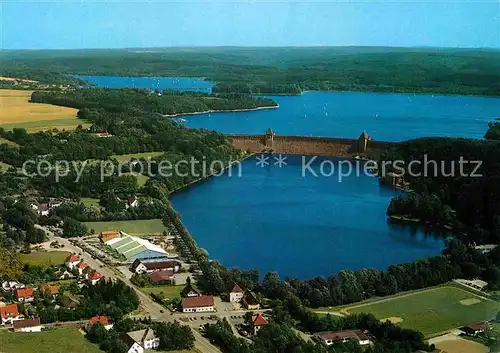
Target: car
{"type": "Point", "coordinates": [161, 311]}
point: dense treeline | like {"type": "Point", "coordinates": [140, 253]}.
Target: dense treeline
{"type": "Point", "coordinates": [110, 298]}
{"type": "Point", "coordinates": [493, 132]}
{"type": "Point", "coordinates": [284, 70]}
{"type": "Point", "coordinates": [128, 100]}
{"type": "Point", "coordinates": [422, 206]}
{"type": "Point", "coordinates": [279, 336]}
{"type": "Point", "coordinates": [462, 173]}
{"type": "Point", "coordinates": [133, 131]}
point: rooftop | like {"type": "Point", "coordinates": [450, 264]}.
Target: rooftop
{"type": "Point", "coordinates": [26, 323]}
{"type": "Point", "coordinates": [196, 302]}
{"type": "Point", "coordinates": [342, 335]}
{"type": "Point", "coordinates": [9, 311]}
{"type": "Point", "coordinates": [259, 320]}
{"type": "Point", "coordinates": [163, 275]}
{"type": "Point", "coordinates": [24, 292]}
{"type": "Point", "coordinates": [236, 289]}
{"type": "Point", "coordinates": [103, 320]}
{"type": "Point", "coordinates": [142, 335]}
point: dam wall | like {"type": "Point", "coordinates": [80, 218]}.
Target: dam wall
{"type": "Point", "coordinates": [304, 145]}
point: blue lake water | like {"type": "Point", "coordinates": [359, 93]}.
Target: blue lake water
{"type": "Point", "coordinates": [154, 83]}
{"type": "Point", "coordinates": [276, 219]}
{"type": "Point", "coordinates": [384, 116]}
{"type": "Point", "coordinates": [273, 219]}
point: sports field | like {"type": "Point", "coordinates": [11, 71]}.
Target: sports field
{"type": "Point", "coordinates": [45, 258]}
{"type": "Point", "coordinates": [58, 340]}
{"type": "Point", "coordinates": [141, 227]}
{"type": "Point", "coordinates": [431, 311]}
{"type": "Point", "coordinates": [17, 111]}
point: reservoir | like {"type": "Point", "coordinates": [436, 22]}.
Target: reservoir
{"type": "Point", "coordinates": [275, 218]}
{"type": "Point", "coordinates": [278, 219]}
{"type": "Point", "coordinates": [384, 116]}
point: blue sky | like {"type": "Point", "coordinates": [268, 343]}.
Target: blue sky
{"type": "Point", "coordinates": [68, 24]}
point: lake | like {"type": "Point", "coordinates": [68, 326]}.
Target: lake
{"type": "Point", "coordinates": [276, 219]}
{"type": "Point", "coordinates": [154, 83]}
{"type": "Point", "coordinates": [384, 116]}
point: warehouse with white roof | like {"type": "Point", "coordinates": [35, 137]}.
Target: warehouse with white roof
{"type": "Point", "coordinates": [136, 248]}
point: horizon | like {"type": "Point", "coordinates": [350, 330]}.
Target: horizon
{"type": "Point", "coordinates": [255, 47]}
{"type": "Point", "coordinates": [89, 24]}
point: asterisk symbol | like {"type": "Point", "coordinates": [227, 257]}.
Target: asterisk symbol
{"type": "Point", "coordinates": [262, 160]}
{"type": "Point", "coordinates": [280, 160]}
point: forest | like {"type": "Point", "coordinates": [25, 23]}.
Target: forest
{"type": "Point", "coordinates": [280, 70]}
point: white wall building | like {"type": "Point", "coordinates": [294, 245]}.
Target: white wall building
{"type": "Point", "coordinates": [199, 304]}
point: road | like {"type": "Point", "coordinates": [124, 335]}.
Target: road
{"type": "Point", "coordinates": [153, 308]}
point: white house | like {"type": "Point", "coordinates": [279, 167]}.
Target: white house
{"type": "Point", "coordinates": [236, 294]}
{"type": "Point", "coordinates": [258, 322]}
{"type": "Point", "coordinates": [11, 285]}
{"type": "Point", "coordinates": [9, 314]}
{"type": "Point", "coordinates": [132, 202]}
{"type": "Point", "coordinates": [343, 336]}
{"type": "Point", "coordinates": [72, 261]}
{"type": "Point", "coordinates": [134, 347]}
{"type": "Point", "coordinates": [141, 340]}
{"type": "Point", "coordinates": [82, 268]}
{"type": "Point", "coordinates": [29, 325]}
{"type": "Point", "coordinates": [64, 274]}
{"type": "Point", "coordinates": [141, 266]}
{"type": "Point", "coordinates": [198, 304]}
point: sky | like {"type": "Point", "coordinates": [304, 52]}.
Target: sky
{"type": "Point", "coordinates": [68, 24]}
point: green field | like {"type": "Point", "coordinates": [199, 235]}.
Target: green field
{"type": "Point", "coordinates": [432, 311]}
{"type": "Point", "coordinates": [45, 258]}
{"type": "Point", "coordinates": [148, 226]}
{"type": "Point", "coordinates": [168, 291]}
{"type": "Point", "coordinates": [59, 340]}
{"type": "Point", "coordinates": [127, 157]}
{"type": "Point", "coordinates": [88, 201]}
{"type": "Point", "coordinates": [141, 179]}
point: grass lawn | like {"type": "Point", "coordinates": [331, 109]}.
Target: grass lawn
{"type": "Point", "coordinates": [45, 258]}
{"type": "Point", "coordinates": [127, 157]}
{"type": "Point", "coordinates": [141, 227]}
{"type": "Point", "coordinates": [59, 340]}
{"type": "Point", "coordinates": [88, 201]}
{"type": "Point", "coordinates": [432, 311]}
{"type": "Point", "coordinates": [17, 111]}
{"type": "Point", "coordinates": [168, 291]}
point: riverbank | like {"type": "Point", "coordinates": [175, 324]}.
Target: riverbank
{"type": "Point", "coordinates": [220, 111]}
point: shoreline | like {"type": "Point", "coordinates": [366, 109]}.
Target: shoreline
{"type": "Point", "coordinates": [246, 156]}
{"type": "Point", "coordinates": [220, 111]}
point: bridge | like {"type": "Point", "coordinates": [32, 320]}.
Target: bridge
{"type": "Point", "coordinates": [303, 145]}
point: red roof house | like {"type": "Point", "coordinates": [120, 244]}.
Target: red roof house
{"type": "Point", "coordinates": [9, 313]}
{"type": "Point", "coordinates": [24, 294]}
{"type": "Point", "coordinates": [258, 321]}
{"type": "Point", "coordinates": [94, 277]}
{"type": "Point", "coordinates": [103, 320]}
